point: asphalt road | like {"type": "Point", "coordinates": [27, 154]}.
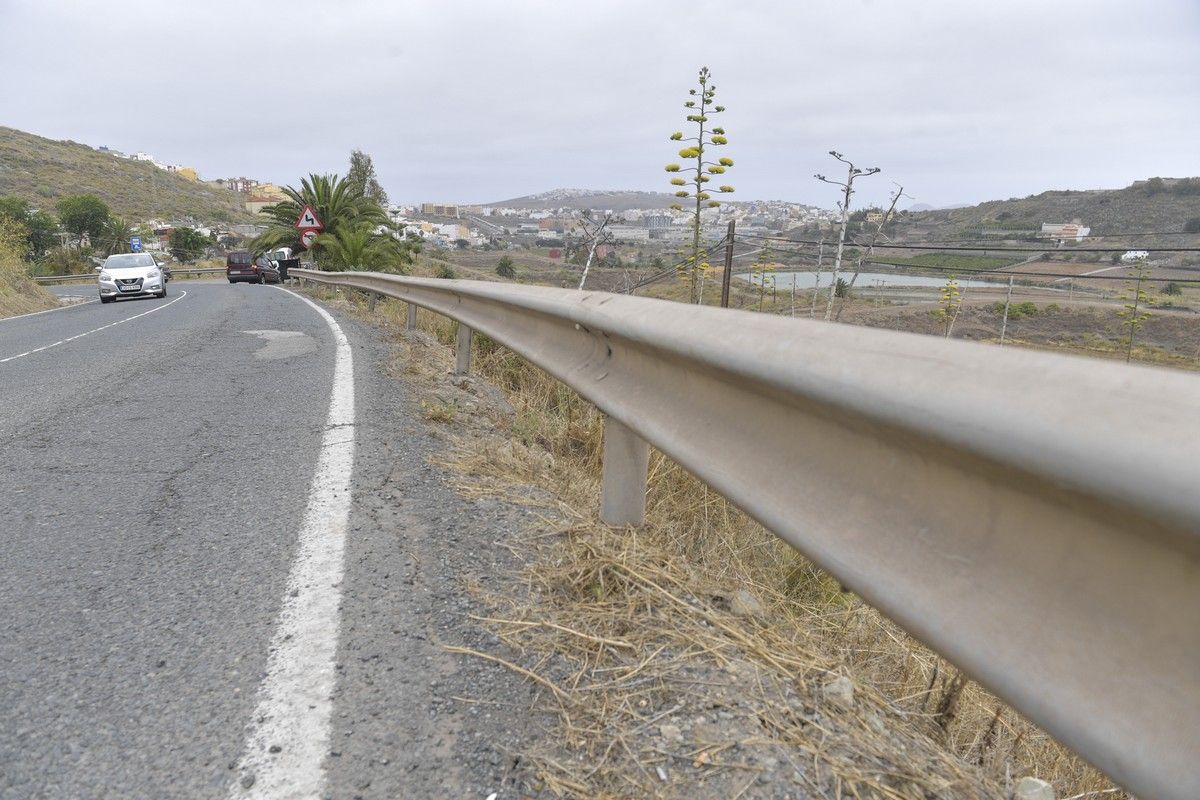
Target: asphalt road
{"type": "Point", "coordinates": [157, 462]}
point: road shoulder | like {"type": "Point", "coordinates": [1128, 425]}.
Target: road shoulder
{"type": "Point", "coordinates": [411, 718]}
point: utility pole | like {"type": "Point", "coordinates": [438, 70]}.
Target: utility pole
{"type": "Point", "coordinates": [1007, 300]}
{"type": "Point", "coordinates": [728, 265]}
{"type": "Point", "coordinates": [852, 172]}
{"type": "Point", "coordinates": [1137, 297]}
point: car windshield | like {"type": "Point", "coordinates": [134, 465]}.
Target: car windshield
{"type": "Point", "coordinates": [126, 260]}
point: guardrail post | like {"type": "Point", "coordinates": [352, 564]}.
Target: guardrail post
{"type": "Point", "coordinates": [412, 317]}
{"type": "Point", "coordinates": [372, 298]}
{"type": "Point", "coordinates": [462, 364]}
{"type": "Point", "coordinates": [623, 480]}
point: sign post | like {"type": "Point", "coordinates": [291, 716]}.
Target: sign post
{"type": "Point", "coordinates": [309, 225]}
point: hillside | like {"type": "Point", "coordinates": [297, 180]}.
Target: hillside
{"type": "Point", "coordinates": [1144, 206]}
{"type": "Point", "coordinates": [43, 171]}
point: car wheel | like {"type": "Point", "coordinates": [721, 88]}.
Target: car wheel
{"type": "Point", "coordinates": [163, 293]}
{"type": "Point", "coordinates": [232, 281]}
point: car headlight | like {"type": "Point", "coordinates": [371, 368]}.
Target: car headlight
{"type": "Point", "coordinates": [104, 276]}
{"type": "Point", "coordinates": [153, 274]}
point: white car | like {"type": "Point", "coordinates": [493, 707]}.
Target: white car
{"type": "Point", "coordinates": [131, 275]}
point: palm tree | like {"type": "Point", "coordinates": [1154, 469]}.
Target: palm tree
{"type": "Point", "coordinates": [363, 247]}
{"type": "Point", "coordinates": [340, 206]}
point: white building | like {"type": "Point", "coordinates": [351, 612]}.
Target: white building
{"type": "Point", "coordinates": [1065, 230]}
{"type": "Point", "coordinates": [629, 233]}
{"type": "Point", "coordinates": [1135, 255]}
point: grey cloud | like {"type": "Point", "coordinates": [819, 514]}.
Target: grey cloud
{"type": "Point", "coordinates": [476, 101]}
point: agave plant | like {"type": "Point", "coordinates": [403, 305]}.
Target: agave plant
{"type": "Point", "coordinates": [340, 206]}
{"type": "Point", "coordinates": [115, 236]}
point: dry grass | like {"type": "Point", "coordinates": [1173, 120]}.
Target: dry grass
{"type": "Point", "coordinates": [660, 688]}
{"type": "Point", "coordinates": [19, 294]}
{"type": "Point", "coordinates": [44, 171]}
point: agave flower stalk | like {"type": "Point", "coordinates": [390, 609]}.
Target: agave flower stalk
{"type": "Point", "coordinates": [699, 169]}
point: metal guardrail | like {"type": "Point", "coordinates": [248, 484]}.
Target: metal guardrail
{"type": "Point", "coordinates": [91, 276]}
{"type": "Point", "coordinates": [1033, 517]}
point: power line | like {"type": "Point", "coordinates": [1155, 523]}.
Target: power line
{"type": "Point", "coordinates": [975, 249]}
{"type": "Point", "coordinates": [1057, 276]}
{"type": "Point", "coordinates": [1019, 235]}
{"type": "Point", "coordinates": [999, 273]}
{"type": "Point", "coordinates": [674, 268]}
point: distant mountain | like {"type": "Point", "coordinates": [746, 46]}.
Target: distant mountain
{"type": "Point", "coordinates": [614, 199]}
{"type": "Point", "coordinates": [1155, 205]}
{"type": "Point", "coordinates": [44, 170]}
{"type": "Point", "coordinates": [617, 200]}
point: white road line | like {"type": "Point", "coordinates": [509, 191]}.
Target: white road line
{"type": "Point", "coordinates": [295, 701]}
{"type": "Point", "coordinates": [93, 330]}
{"type": "Point", "coordinates": [48, 310]}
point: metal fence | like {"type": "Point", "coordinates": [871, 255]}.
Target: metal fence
{"type": "Point", "coordinates": [91, 276]}
{"type": "Point", "coordinates": [1032, 516]}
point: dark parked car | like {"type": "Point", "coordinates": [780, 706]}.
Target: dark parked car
{"type": "Point", "coordinates": [268, 270]}
{"type": "Point", "coordinates": [239, 266]}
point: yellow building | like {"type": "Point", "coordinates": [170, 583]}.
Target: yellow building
{"type": "Point", "coordinates": [258, 202]}
{"type": "Point", "coordinates": [270, 190]}
{"type": "Point", "coordinates": [188, 172]}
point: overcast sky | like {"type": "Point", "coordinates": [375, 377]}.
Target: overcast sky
{"type": "Point", "coordinates": [482, 101]}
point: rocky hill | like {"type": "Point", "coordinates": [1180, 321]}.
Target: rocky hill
{"type": "Point", "coordinates": [43, 170]}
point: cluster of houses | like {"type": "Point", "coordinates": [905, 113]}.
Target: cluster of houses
{"type": "Point", "coordinates": [447, 225]}
{"type": "Point", "coordinates": [259, 194]}
{"type": "Point", "coordinates": [184, 172]}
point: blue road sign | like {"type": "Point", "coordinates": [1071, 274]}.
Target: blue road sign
{"type": "Point", "coordinates": [135, 244]}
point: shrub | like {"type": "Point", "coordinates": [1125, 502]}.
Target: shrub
{"type": "Point", "coordinates": [446, 271]}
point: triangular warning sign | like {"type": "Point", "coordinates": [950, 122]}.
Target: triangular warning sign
{"type": "Point", "coordinates": [308, 220]}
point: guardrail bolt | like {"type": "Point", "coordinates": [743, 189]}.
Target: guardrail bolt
{"type": "Point", "coordinates": [623, 479]}
{"type": "Point", "coordinates": [462, 364]}
{"type": "Point", "coordinates": [412, 317]}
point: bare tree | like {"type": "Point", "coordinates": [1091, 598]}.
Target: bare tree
{"type": "Point", "coordinates": [593, 234]}
{"type": "Point", "coordinates": [852, 172]}
{"type": "Point", "coordinates": [812, 312]}
{"type": "Point", "coordinates": [866, 255]}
